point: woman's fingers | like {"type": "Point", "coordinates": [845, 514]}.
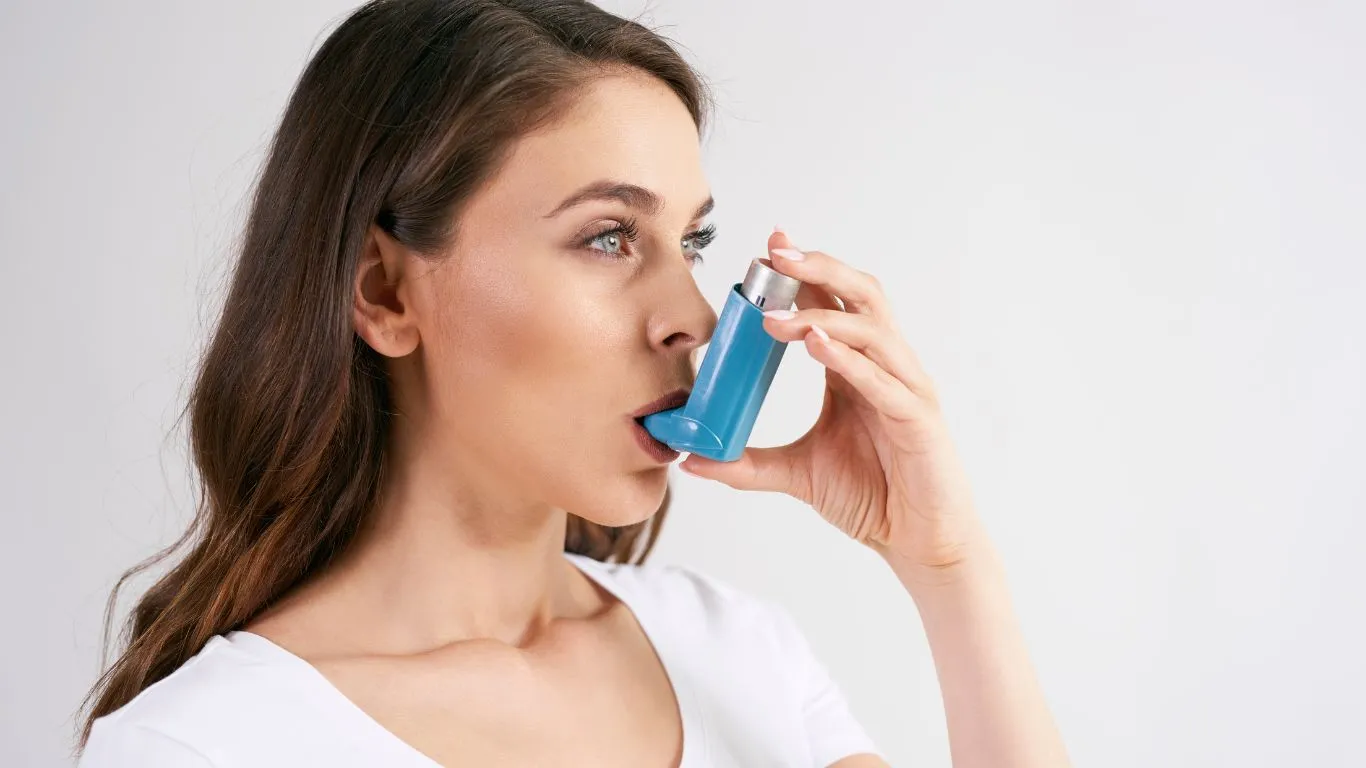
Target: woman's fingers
{"type": "Point", "coordinates": [860, 292]}
{"type": "Point", "coordinates": [860, 333]}
{"type": "Point", "coordinates": [882, 390]}
{"type": "Point", "coordinates": [810, 295]}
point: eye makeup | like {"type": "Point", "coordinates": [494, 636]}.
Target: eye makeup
{"type": "Point", "coordinates": [629, 232]}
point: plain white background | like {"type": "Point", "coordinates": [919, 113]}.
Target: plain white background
{"type": "Point", "coordinates": [1127, 239]}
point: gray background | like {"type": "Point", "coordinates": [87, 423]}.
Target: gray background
{"type": "Point", "coordinates": [1127, 239]}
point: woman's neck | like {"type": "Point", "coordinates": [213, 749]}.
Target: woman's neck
{"type": "Point", "coordinates": [436, 564]}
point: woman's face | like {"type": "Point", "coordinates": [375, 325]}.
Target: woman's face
{"type": "Point", "coordinates": [543, 331]}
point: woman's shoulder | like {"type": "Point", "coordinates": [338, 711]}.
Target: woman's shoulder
{"type": "Point", "coordinates": [742, 652]}
{"type": "Point", "coordinates": [202, 680]}
{"type": "Point", "coordinates": [686, 596]}
{"type": "Point", "coordinates": [224, 688]}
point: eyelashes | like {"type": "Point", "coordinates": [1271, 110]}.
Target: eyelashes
{"type": "Point", "coordinates": [625, 230]}
{"type": "Point", "coordinates": [629, 231]}
{"type": "Point", "coordinates": [702, 237]}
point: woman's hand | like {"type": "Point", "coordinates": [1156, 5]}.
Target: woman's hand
{"type": "Point", "coordinates": [878, 463]}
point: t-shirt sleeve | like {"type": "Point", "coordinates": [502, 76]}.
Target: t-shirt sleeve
{"type": "Point", "coordinates": [117, 744]}
{"type": "Point", "coordinates": [832, 731]}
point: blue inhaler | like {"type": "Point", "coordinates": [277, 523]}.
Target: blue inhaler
{"type": "Point", "coordinates": [739, 365]}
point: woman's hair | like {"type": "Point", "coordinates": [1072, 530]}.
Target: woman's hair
{"type": "Point", "coordinates": [407, 108]}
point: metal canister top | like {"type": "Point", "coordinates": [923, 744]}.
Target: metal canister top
{"type": "Point", "coordinates": [767, 288]}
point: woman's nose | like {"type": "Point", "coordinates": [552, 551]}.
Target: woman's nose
{"type": "Point", "coordinates": [685, 320]}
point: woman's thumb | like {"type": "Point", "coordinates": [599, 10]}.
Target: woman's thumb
{"type": "Point", "coordinates": [757, 469]}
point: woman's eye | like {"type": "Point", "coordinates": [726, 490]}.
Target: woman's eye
{"type": "Point", "coordinates": [693, 253]}
{"type": "Point", "coordinates": [696, 241]}
{"type": "Point", "coordinates": [612, 242]}
{"type": "Point", "coordinates": [612, 239]}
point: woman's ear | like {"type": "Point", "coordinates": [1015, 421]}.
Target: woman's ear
{"type": "Point", "coordinates": [381, 307]}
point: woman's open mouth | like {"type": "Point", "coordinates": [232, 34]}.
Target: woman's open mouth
{"type": "Point", "coordinates": [658, 451]}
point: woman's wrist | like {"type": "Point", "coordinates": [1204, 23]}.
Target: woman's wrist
{"type": "Point", "coordinates": [969, 561]}
{"type": "Point", "coordinates": [972, 591]}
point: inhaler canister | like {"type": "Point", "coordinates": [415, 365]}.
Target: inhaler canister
{"type": "Point", "coordinates": [735, 374]}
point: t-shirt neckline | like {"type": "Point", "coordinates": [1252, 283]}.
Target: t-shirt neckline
{"type": "Point", "coordinates": [689, 716]}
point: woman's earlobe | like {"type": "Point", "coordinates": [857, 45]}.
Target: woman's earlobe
{"type": "Point", "coordinates": [387, 338]}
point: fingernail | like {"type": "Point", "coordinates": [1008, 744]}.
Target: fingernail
{"type": "Point", "coordinates": [685, 468]}
{"type": "Point", "coordinates": [791, 254]}
{"type": "Point", "coordinates": [780, 314]}
{"type": "Point", "coordinates": [821, 332]}
{"type": "Point", "coordinates": [777, 228]}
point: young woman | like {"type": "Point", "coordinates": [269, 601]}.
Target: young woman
{"type": "Point", "coordinates": [426, 501]}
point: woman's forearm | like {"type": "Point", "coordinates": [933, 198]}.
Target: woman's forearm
{"type": "Point", "coordinates": [996, 712]}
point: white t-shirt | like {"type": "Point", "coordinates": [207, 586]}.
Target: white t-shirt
{"type": "Point", "coordinates": [750, 690]}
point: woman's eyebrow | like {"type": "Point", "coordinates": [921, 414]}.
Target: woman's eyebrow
{"type": "Point", "coordinates": [633, 195]}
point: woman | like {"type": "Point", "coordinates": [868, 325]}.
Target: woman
{"type": "Point", "coordinates": [425, 505]}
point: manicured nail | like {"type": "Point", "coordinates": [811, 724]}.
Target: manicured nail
{"type": "Point", "coordinates": [791, 254]}
{"type": "Point", "coordinates": [777, 229]}
{"type": "Point", "coordinates": [821, 332]}
{"type": "Point", "coordinates": [780, 314]}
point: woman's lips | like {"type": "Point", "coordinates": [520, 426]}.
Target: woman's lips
{"type": "Point", "coordinates": [674, 399]}
{"type": "Point", "coordinates": [658, 451]}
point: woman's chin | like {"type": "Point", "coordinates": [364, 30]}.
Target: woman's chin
{"type": "Point", "coordinates": [634, 505]}
{"type": "Point", "coordinates": [622, 520]}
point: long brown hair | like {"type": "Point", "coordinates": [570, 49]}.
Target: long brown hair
{"type": "Point", "coordinates": [402, 113]}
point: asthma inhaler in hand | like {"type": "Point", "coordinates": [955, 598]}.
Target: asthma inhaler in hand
{"type": "Point", "coordinates": [739, 365]}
